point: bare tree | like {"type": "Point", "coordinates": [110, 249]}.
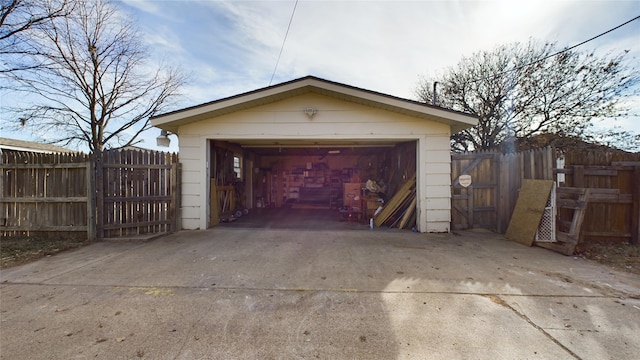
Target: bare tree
{"type": "Point", "coordinates": [19, 21]}
{"type": "Point", "coordinates": [519, 91]}
{"type": "Point", "coordinates": [97, 87]}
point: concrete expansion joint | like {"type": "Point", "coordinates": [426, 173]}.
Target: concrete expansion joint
{"type": "Point", "coordinates": [561, 296]}
{"type": "Point", "coordinates": [492, 296]}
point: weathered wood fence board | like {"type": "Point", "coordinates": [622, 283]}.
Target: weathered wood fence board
{"type": "Point", "coordinates": [613, 212]}
{"type": "Point", "coordinates": [43, 194]}
{"type": "Point", "coordinates": [138, 193]}
{"type": "Point", "coordinates": [54, 194]}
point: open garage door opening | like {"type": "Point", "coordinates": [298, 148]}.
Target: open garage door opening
{"type": "Point", "coordinates": [311, 184]}
{"type": "Point", "coordinates": [298, 145]}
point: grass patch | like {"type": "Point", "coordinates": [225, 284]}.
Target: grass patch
{"type": "Point", "coordinates": [20, 250]}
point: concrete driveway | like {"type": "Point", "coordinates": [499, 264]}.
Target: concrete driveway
{"type": "Point", "coordinates": [232, 293]}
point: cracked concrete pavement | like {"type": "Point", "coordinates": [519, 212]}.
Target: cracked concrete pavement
{"type": "Point", "coordinates": [289, 294]}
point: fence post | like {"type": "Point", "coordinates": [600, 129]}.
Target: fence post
{"type": "Point", "coordinates": [635, 213]}
{"type": "Point", "coordinates": [578, 176]}
{"type": "Point", "coordinates": [497, 193]}
{"type": "Point", "coordinates": [470, 207]}
{"type": "Point", "coordinates": [497, 162]}
{"type": "Point", "coordinates": [91, 202]}
{"type": "Point", "coordinates": [174, 212]}
{"type": "Point", "coordinates": [98, 158]}
{"type": "Point", "coordinates": [549, 163]}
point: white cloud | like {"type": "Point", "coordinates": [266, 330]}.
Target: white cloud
{"type": "Point", "coordinates": [147, 6]}
{"type": "Point", "coordinates": [165, 42]}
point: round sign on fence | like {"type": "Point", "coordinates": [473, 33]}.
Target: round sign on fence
{"type": "Point", "coordinates": [464, 180]}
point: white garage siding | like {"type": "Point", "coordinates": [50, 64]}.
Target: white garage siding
{"type": "Point", "coordinates": [193, 177]}
{"type": "Point", "coordinates": [434, 184]}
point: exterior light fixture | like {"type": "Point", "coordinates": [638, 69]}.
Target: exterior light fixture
{"type": "Point", "coordinates": [310, 111]}
{"type": "Point", "coordinates": [163, 140]}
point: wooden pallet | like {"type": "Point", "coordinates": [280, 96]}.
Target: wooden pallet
{"type": "Point", "coordinates": [577, 200]}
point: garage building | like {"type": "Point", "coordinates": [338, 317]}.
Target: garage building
{"type": "Point", "coordinates": [314, 144]}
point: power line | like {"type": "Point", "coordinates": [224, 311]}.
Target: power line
{"type": "Point", "coordinates": [283, 41]}
{"type": "Point", "coordinates": [586, 41]}
{"type": "Point", "coordinates": [561, 51]}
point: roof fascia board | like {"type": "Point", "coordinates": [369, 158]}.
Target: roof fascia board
{"type": "Point", "coordinates": [406, 104]}
{"type": "Point", "coordinates": [171, 121]}
{"type": "Point", "coordinates": [260, 96]}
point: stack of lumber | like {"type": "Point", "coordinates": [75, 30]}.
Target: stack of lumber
{"type": "Point", "coordinates": [400, 210]}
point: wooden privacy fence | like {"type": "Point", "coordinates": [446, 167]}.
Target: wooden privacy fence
{"type": "Point", "coordinates": [495, 181]}
{"type": "Point", "coordinates": [57, 194]}
{"type": "Point", "coordinates": [613, 178]}
{"type": "Point", "coordinates": [43, 194]}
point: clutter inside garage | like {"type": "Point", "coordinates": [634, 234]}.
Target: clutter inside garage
{"type": "Point", "coordinates": [373, 185]}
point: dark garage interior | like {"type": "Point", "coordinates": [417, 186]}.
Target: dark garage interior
{"type": "Point", "coordinates": [309, 184]}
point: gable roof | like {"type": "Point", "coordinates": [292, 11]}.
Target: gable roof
{"type": "Point", "coordinates": [30, 146]}
{"type": "Point", "coordinates": [171, 121]}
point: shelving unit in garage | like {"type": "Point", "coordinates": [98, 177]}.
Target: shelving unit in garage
{"type": "Point", "coordinates": [335, 183]}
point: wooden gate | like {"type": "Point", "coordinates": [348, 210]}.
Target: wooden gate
{"type": "Point", "coordinates": [495, 180]}
{"type": "Point", "coordinates": [141, 193]}
{"type": "Point", "coordinates": [475, 205]}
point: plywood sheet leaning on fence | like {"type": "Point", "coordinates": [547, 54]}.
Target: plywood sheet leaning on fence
{"type": "Point", "coordinates": [527, 214]}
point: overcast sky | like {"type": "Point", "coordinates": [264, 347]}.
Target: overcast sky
{"type": "Point", "coordinates": [232, 47]}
